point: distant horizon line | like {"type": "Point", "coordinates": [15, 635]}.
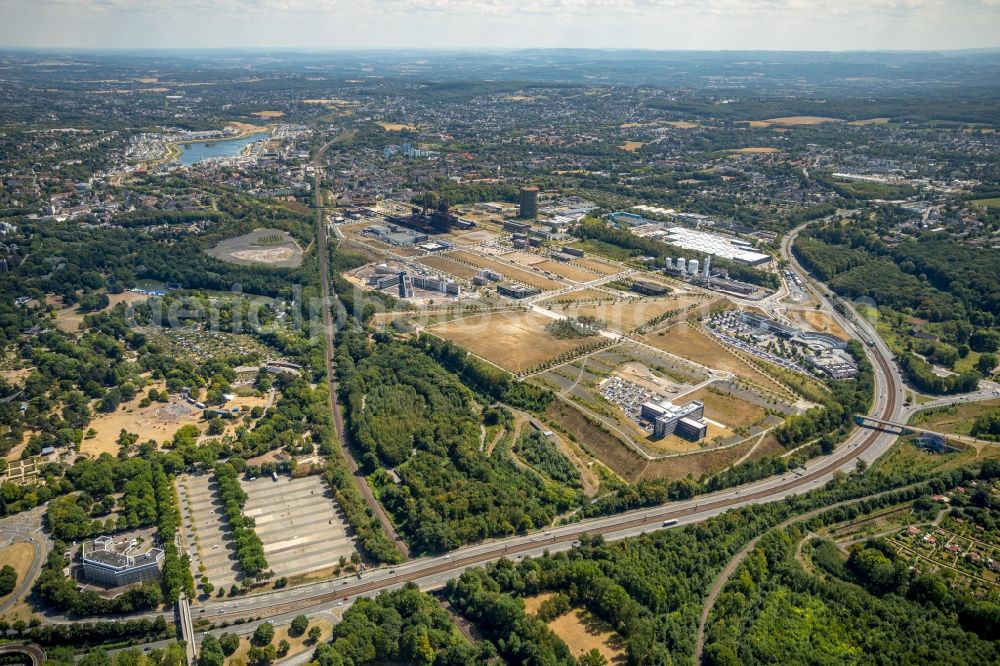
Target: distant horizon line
{"type": "Point", "coordinates": [470, 49]}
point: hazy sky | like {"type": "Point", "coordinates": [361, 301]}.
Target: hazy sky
{"type": "Point", "coordinates": [652, 24]}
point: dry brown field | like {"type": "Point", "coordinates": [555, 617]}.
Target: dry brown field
{"type": "Point", "coordinates": [631, 146]}
{"type": "Point", "coordinates": [725, 407]}
{"type": "Point", "coordinates": [754, 150]}
{"type": "Point", "coordinates": [581, 631]}
{"type": "Point", "coordinates": [511, 272]}
{"type": "Point", "coordinates": [623, 315]}
{"type": "Point", "coordinates": [598, 265]}
{"type": "Point", "coordinates": [396, 127]}
{"type": "Point", "coordinates": [20, 556]}
{"type": "Point", "coordinates": [448, 266]}
{"type": "Point", "coordinates": [268, 114]}
{"type": "Point", "coordinates": [566, 270]}
{"type": "Point", "coordinates": [514, 340]}
{"type": "Point", "coordinates": [682, 340]}
{"type": "Point", "coordinates": [794, 120]}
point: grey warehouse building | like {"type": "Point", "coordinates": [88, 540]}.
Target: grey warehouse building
{"type": "Point", "coordinates": [105, 564]}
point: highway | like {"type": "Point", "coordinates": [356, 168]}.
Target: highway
{"type": "Point", "coordinates": [432, 572]}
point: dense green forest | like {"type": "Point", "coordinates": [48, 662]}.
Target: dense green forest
{"type": "Point", "coordinates": [925, 283]}
{"type": "Point", "coordinates": [405, 411]}
{"type": "Point", "coordinates": [845, 610]}
{"type": "Point", "coordinates": [403, 626]}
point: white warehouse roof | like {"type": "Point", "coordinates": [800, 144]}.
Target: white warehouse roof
{"type": "Point", "coordinates": [714, 244]}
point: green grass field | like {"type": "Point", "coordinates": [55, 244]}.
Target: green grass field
{"type": "Point", "coordinates": [986, 203]}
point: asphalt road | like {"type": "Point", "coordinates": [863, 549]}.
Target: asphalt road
{"type": "Point", "coordinates": [432, 572]}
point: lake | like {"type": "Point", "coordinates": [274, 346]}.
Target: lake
{"type": "Point", "coordinates": [201, 150]}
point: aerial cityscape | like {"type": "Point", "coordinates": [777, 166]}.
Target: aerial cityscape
{"type": "Point", "coordinates": [527, 353]}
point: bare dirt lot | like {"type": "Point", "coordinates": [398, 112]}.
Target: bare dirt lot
{"type": "Point", "coordinates": [159, 422]}
{"type": "Point", "coordinates": [271, 247]}
{"type": "Point", "coordinates": [817, 321]}
{"type": "Point", "coordinates": [516, 340]}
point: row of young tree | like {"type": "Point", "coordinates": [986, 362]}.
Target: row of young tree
{"type": "Point", "coordinates": [249, 549]}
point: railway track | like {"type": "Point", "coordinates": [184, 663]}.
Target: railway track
{"type": "Point", "coordinates": [651, 517]}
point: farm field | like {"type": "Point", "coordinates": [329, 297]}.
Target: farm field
{"type": "Point", "coordinates": [512, 272]}
{"type": "Point", "coordinates": [870, 121]}
{"type": "Point", "coordinates": [514, 340]}
{"type": "Point", "coordinates": [270, 247]}
{"type": "Point", "coordinates": [986, 203]}
{"type": "Point", "coordinates": [684, 341]}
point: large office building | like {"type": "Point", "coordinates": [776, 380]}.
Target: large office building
{"type": "Point", "coordinates": [685, 420]}
{"type": "Point", "coordinates": [117, 564]}
{"type": "Point", "coordinates": [529, 203]}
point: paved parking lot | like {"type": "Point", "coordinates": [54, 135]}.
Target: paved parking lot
{"type": "Point", "coordinates": [300, 525]}
{"type": "Point", "coordinates": [205, 532]}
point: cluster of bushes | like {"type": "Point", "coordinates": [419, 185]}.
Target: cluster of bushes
{"type": "Point", "coordinates": [249, 549]}
{"type": "Point", "coordinates": [921, 375]}
{"type": "Point", "coordinates": [542, 453]}
{"type": "Point", "coordinates": [401, 626]}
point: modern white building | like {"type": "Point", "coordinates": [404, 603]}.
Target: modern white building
{"type": "Point", "coordinates": [115, 564]}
